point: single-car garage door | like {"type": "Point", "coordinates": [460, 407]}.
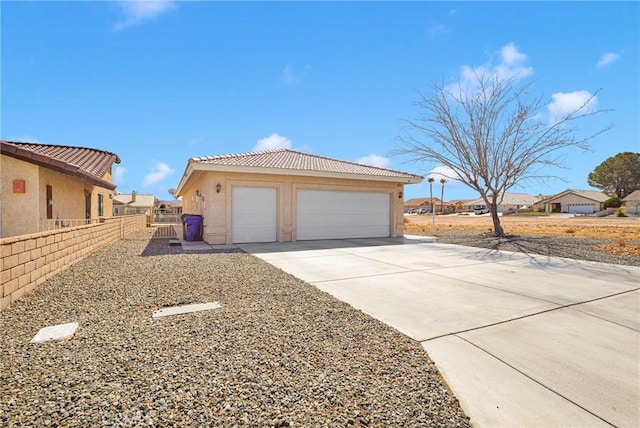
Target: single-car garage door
{"type": "Point", "coordinates": [323, 214]}
{"type": "Point", "coordinates": [254, 214]}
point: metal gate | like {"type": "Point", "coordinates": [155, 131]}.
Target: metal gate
{"type": "Point", "coordinates": [167, 226]}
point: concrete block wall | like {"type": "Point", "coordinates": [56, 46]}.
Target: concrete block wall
{"type": "Point", "coordinates": [26, 261]}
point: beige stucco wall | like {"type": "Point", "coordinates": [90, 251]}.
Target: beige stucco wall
{"type": "Point", "coordinates": [216, 207]}
{"type": "Point", "coordinates": [23, 213]}
{"type": "Point", "coordinates": [68, 196]}
{"type": "Point", "coordinates": [19, 211]}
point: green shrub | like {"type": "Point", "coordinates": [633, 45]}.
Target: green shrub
{"type": "Point", "coordinates": [613, 202]}
{"type": "Point", "coordinates": [620, 213]}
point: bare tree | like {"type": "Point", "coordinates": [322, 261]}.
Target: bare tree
{"type": "Point", "coordinates": [491, 137]}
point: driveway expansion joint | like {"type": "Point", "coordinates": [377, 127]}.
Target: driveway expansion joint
{"type": "Point", "coordinates": [533, 379]}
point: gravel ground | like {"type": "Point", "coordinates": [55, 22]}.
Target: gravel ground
{"type": "Point", "coordinates": [570, 247]}
{"type": "Point", "coordinates": [278, 353]}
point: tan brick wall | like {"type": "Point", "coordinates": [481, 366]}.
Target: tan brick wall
{"type": "Point", "coordinates": [26, 261]}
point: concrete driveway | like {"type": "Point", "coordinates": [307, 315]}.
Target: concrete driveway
{"type": "Point", "coordinates": [522, 340]}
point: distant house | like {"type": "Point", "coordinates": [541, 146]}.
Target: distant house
{"type": "Point", "coordinates": [461, 205]}
{"type": "Point", "coordinates": [133, 203]}
{"type": "Point", "coordinates": [632, 203]}
{"type": "Point", "coordinates": [416, 204]}
{"type": "Point", "coordinates": [173, 207]}
{"type": "Point", "coordinates": [511, 202]}
{"type": "Point", "coordinates": [575, 201]}
{"type": "Point", "coordinates": [43, 182]}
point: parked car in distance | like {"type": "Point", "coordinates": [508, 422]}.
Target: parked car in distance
{"type": "Point", "coordinates": [424, 211]}
{"type": "Point", "coordinates": [479, 211]}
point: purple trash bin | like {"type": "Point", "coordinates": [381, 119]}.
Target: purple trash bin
{"type": "Point", "coordinates": [192, 228]}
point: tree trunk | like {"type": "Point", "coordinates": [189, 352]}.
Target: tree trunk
{"type": "Point", "coordinates": [497, 227]}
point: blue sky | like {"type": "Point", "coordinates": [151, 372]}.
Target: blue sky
{"type": "Point", "coordinates": [160, 82]}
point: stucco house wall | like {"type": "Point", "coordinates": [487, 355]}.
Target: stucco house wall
{"type": "Point", "coordinates": [20, 213]}
{"type": "Point", "coordinates": [216, 207]}
{"type": "Point", "coordinates": [69, 197]}
{"type": "Point", "coordinates": [74, 174]}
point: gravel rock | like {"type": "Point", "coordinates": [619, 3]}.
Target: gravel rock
{"type": "Point", "coordinates": [578, 248]}
{"type": "Point", "coordinates": [279, 352]}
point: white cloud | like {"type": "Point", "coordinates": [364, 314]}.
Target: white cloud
{"type": "Point", "coordinates": [159, 172]}
{"type": "Point", "coordinates": [118, 174]}
{"type": "Point", "coordinates": [511, 55]}
{"type": "Point", "coordinates": [290, 77]}
{"type": "Point", "coordinates": [565, 103]}
{"type": "Point", "coordinates": [287, 75]}
{"type": "Point", "coordinates": [273, 142]}
{"type": "Point", "coordinates": [26, 139]}
{"type": "Point", "coordinates": [375, 160]}
{"type": "Point", "coordinates": [607, 59]}
{"type": "Point", "coordinates": [437, 30]}
{"type": "Point", "coordinates": [138, 11]}
{"type": "Point", "coordinates": [442, 171]}
{"type": "Point", "coordinates": [511, 65]}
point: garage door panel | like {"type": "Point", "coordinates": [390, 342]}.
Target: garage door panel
{"type": "Point", "coordinates": [254, 215]}
{"type": "Point", "coordinates": [581, 208]}
{"type": "Point", "coordinates": [337, 214]}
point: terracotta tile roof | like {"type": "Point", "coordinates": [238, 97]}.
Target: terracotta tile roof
{"type": "Point", "coordinates": [297, 161]}
{"type": "Point", "coordinates": [91, 164]}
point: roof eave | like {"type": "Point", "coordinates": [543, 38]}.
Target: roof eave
{"type": "Point", "coordinates": [185, 178]}
{"type": "Point", "coordinates": [54, 164]}
{"type": "Point", "coordinates": [192, 166]}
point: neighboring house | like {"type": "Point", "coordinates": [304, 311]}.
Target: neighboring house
{"type": "Point", "coordinates": [461, 205]}
{"type": "Point", "coordinates": [173, 207]}
{"type": "Point", "coordinates": [575, 201]}
{"type": "Point", "coordinates": [134, 203]}
{"type": "Point", "coordinates": [416, 204]}
{"type": "Point", "coordinates": [511, 202]}
{"type": "Point", "coordinates": [50, 182]}
{"type": "Point", "coordinates": [632, 202]}
{"type": "Point", "coordinates": [286, 195]}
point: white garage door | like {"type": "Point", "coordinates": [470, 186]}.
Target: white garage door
{"type": "Point", "coordinates": [254, 213]}
{"type": "Point", "coordinates": [325, 214]}
{"type": "Point", "coordinates": [581, 208]}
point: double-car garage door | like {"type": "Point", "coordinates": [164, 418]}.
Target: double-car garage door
{"type": "Point", "coordinates": [323, 214]}
{"type": "Point", "coordinates": [320, 214]}
{"type": "Point", "coordinates": [581, 208]}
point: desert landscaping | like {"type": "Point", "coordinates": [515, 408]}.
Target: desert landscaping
{"type": "Point", "coordinates": [620, 235]}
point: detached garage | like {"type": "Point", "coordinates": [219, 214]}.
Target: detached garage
{"type": "Point", "coordinates": [286, 195]}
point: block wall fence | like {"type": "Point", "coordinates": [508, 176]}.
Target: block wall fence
{"type": "Point", "coordinates": [29, 260]}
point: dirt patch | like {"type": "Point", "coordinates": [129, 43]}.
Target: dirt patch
{"type": "Point", "coordinates": [623, 233]}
